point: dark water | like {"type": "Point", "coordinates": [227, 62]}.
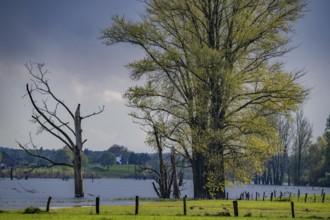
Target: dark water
{"type": "Point", "coordinates": [19, 194]}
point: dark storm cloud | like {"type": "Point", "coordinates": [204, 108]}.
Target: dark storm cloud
{"type": "Point", "coordinates": [65, 35]}
{"type": "Point", "coordinates": [66, 31]}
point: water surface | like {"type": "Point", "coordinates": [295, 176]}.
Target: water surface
{"type": "Point", "coordinates": [19, 194]}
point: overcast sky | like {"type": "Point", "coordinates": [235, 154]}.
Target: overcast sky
{"type": "Point", "coordinates": [64, 35]}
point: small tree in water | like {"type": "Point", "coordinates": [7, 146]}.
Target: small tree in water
{"type": "Point", "coordinates": [46, 115]}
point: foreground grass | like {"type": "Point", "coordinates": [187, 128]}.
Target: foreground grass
{"type": "Point", "coordinates": [197, 209]}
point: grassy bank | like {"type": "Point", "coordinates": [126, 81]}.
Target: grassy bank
{"type": "Point", "coordinates": [196, 209]}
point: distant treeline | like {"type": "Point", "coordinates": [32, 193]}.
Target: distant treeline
{"type": "Point", "coordinates": [116, 162]}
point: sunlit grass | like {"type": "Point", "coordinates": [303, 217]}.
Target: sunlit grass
{"type": "Point", "coordinates": [196, 209]}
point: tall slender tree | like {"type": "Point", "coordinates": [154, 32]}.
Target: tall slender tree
{"type": "Point", "coordinates": [278, 164]}
{"type": "Point", "coordinates": [302, 140]}
{"type": "Point", "coordinates": [211, 66]}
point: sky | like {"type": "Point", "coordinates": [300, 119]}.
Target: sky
{"type": "Point", "coordinates": [64, 34]}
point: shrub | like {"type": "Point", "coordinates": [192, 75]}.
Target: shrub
{"type": "Point", "coordinates": [32, 210]}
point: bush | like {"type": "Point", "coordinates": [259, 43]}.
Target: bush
{"type": "Point", "coordinates": [32, 210]}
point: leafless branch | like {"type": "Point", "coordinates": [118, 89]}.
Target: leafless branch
{"type": "Point", "coordinates": [40, 80]}
{"type": "Point", "coordinates": [99, 111]}
{"type": "Point", "coordinates": [48, 120]}
{"type": "Point", "coordinates": [36, 154]}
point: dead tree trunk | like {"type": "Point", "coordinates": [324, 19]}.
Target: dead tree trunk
{"type": "Point", "coordinates": [77, 150]}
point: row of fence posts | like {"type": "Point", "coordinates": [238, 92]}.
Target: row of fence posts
{"type": "Point", "coordinates": [97, 205]}
{"type": "Point", "coordinates": [273, 195]}
{"type": "Point", "coordinates": [235, 207]}
{"type": "Point", "coordinates": [235, 204]}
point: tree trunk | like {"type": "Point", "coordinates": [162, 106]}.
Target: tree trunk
{"type": "Point", "coordinates": [176, 190]}
{"type": "Point", "coordinates": [216, 147]}
{"type": "Point", "coordinates": [162, 178]}
{"type": "Point", "coordinates": [199, 180]}
{"type": "Point", "coordinates": [77, 158]}
{"type": "Point", "coordinates": [299, 166]}
{"type": "Point", "coordinates": [221, 194]}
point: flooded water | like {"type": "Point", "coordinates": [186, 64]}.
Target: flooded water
{"type": "Point", "coordinates": [19, 194]}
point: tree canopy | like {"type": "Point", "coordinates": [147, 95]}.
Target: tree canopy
{"type": "Point", "coordinates": [213, 75]}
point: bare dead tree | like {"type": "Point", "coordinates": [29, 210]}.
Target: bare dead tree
{"type": "Point", "coordinates": [55, 117]}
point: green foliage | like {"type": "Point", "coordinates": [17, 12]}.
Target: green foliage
{"type": "Point", "coordinates": [32, 210]}
{"type": "Point", "coordinates": [138, 158]}
{"type": "Point", "coordinates": [313, 156]}
{"type": "Point", "coordinates": [107, 159]}
{"type": "Point", "coordinates": [316, 161]}
{"type": "Point", "coordinates": [64, 155]}
{"type": "Point", "coordinates": [92, 167]}
{"type": "Point", "coordinates": [212, 80]}
{"type": "Point", "coordinates": [327, 151]}
{"type": "Point", "coordinates": [118, 150]}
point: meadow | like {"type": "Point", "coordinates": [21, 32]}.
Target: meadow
{"type": "Point", "coordinates": [195, 209]}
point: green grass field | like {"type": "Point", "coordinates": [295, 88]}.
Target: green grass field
{"type": "Point", "coordinates": [196, 209]}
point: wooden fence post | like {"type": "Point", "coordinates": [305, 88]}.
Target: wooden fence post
{"type": "Point", "coordinates": [323, 197]}
{"type": "Point", "coordinates": [263, 196]}
{"type": "Point", "coordinates": [305, 197]}
{"type": "Point", "coordinates": [256, 196]}
{"type": "Point", "coordinates": [185, 205]}
{"type": "Point", "coordinates": [271, 197]}
{"type": "Point", "coordinates": [298, 195]}
{"type": "Point", "coordinates": [136, 205]}
{"type": "Point", "coordinates": [97, 205]}
{"type": "Point", "coordinates": [292, 209]}
{"type": "Point", "coordinates": [11, 173]}
{"type": "Point", "coordinates": [235, 205]}
{"type": "Point", "coordinates": [48, 203]}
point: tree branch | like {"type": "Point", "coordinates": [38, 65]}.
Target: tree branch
{"type": "Point", "coordinates": [99, 111]}
{"type": "Point", "coordinates": [71, 143]}
{"type": "Point", "coordinates": [42, 157]}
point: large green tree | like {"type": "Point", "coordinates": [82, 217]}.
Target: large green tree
{"type": "Point", "coordinates": [211, 67]}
